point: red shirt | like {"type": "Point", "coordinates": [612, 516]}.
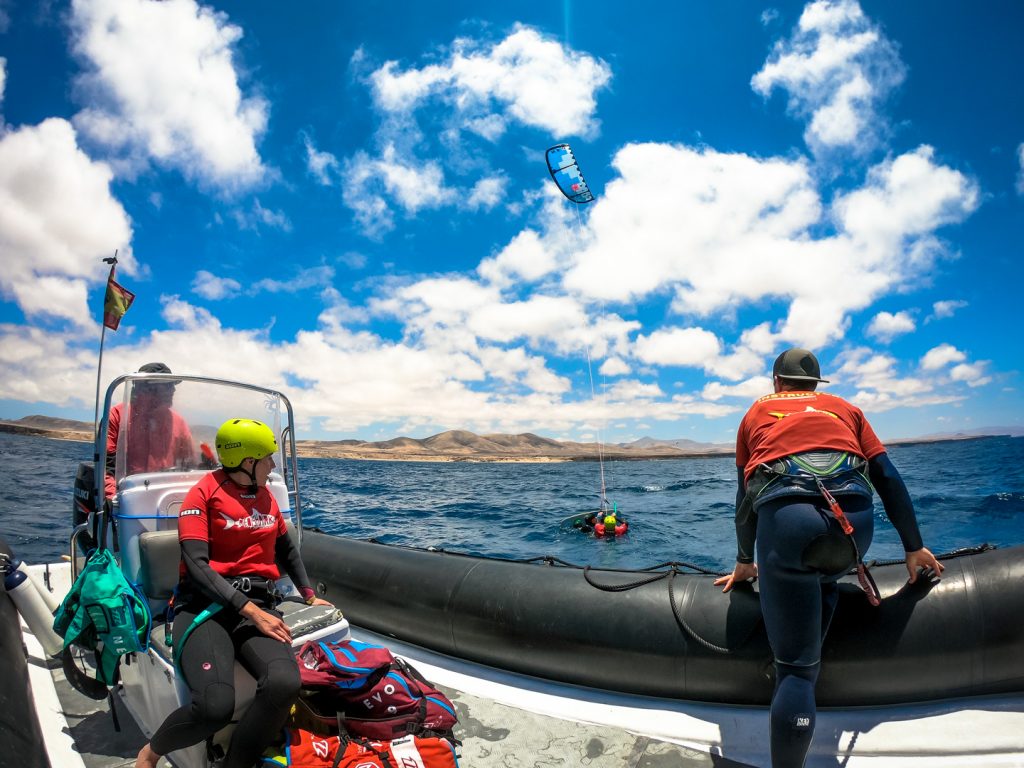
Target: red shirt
{"type": "Point", "coordinates": [241, 528]}
{"type": "Point", "coordinates": [784, 423]}
{"type": "Point", "coordinates": [158, 438]}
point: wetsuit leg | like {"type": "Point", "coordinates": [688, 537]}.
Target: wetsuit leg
{"type": "Point", "coordinates": [273, 665]}
{"type": "Point", "coordinates": [208, 666]}
{"type": "Point", "coordinates": [797, 610]}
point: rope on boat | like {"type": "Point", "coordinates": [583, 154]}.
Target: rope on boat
{"type": "Point", "coordinates": [951, 555]}
{"type": "Point", "coordinates": [670, 575]}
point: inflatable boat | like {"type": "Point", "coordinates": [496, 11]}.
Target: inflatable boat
{"type": "Point", "coordinates": [674, 635]}
{"type": "Point", "coordinates": [560, 663]}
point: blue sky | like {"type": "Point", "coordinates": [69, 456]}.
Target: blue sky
{"type": "Point", "coordinates": [349, 202]}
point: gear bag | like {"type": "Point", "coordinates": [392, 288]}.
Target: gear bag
{"type": "Point", "coordinates": [347, 688]}
{"type": "Point", "coordinates": [302, 749]}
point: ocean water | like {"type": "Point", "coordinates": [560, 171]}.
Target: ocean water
{"type": "Point", "coordinates": [965, 492]}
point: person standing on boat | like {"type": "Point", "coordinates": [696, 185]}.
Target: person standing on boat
{"type": "Point", "coordinates": [157, 436]}
{"type": "Point", "coordinates": [806, 463]}
{"type": "Point", "coordinates": [234, 544]}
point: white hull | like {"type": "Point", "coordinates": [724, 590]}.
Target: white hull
{"type": "Point", "coordinates": [536, 722]}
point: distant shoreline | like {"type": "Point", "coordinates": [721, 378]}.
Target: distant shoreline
{"type": "Point", "coordinates": [354, 450]}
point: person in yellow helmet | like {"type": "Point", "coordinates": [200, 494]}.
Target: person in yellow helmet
{"type": "Point", "coordinates": [234, 544]}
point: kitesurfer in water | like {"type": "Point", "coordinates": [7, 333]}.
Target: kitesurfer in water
{"type": "Point", "coordinates": [234, 544]}
{"type": "Point", "coordinates": [804, 460]}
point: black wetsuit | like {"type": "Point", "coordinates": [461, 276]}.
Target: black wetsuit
{"type": "Point", "coordinates": [800, 555]}
{"type": "Point", "coordinates": [206, 659]}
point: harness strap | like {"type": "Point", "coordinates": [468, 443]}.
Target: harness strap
{"type": "Point", "coordinates": [203, 615]}
{"type": "Point", "coordinates": [864, 578]}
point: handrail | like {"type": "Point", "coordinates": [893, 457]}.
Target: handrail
{"type": "Point", "coordinates": [81, 528]}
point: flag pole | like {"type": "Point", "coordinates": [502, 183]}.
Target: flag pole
{"type": "Point", "coordinates": [112, 261]}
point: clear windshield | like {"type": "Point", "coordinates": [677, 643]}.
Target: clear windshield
{"type": "Point", "coordinates": [170, 425]}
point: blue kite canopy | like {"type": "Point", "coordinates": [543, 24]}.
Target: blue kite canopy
{"type": "Point", "coordinates": [567, 174]}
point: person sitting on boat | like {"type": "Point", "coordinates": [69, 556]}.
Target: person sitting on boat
{"type": "Point", "coordinates": [234, 544]}
{"type": "Point", "coordinates": [804, 461]}
{"type": "Point", "coordinates": [158, 437]}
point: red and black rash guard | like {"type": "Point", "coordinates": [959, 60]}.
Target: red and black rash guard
{"type": "Point", "coordinates": [792, 422]}
{"type": "Point", "coordinates": [227, 530]}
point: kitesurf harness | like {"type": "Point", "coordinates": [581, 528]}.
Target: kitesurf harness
{"type": "Point", "coordinates": [256, 587]}
{"type": "Point", "coordinates": [819, 474]}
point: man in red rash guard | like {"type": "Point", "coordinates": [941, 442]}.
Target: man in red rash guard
{"type": "Point", "coordinates": [807, 463]}
{"type": "Point", "coordinates": [234, 545]}
{"type": "Point", "coordinates": [158, 437]}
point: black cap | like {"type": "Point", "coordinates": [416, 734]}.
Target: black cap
{"type": "Point", "coordinates": [154, 368]}
{"type": "Point", "coordinates": [798, 365]}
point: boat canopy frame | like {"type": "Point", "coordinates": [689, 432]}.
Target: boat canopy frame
{"type": "Point", "coordinates": [289, 468]}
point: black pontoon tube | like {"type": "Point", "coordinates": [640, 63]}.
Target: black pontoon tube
{"type": "Point", "coordinates": [960, 637]}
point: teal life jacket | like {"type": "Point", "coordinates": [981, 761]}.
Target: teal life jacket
{"type": "Point", "coordinates": [103, 612]}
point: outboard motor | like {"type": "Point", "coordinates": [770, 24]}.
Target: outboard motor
{"type": "Point", "coordinates": [83, 504]}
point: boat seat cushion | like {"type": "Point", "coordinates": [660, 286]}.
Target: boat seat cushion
{"type": "Point", "coordinates": [159, 558]}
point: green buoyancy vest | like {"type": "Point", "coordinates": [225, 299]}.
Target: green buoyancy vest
{"type": "Point", "coordinates": [103, 611]}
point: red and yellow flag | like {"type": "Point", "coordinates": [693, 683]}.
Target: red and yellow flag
{"type": "Point", "coordinates": [116, 303]}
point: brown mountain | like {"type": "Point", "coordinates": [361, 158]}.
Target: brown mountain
{"type": "Point", "coordinates": [460, 445]}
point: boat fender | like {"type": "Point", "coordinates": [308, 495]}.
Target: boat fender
{"type": "Point", "coordinates": [49, 597]}
{"type": "Point", "coordinates": [32, 608]}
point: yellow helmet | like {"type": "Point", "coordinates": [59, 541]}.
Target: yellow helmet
{"type": "Point", "coordinates": [240, 439]}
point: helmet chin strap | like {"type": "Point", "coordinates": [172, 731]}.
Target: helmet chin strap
{"type": "Point", "coordinates": [253, 487]}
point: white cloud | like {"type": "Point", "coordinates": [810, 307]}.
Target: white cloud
{"type": "Point", "coordinates": [910, 196]}
{"type": "Point", "coordinates": [614, 366]}
{"type": "Point", "coordinates": [941, 356]}
{"type": "Point", "coordinates": [881, 387]}
{"type": "Point", "coordinates": [433, 119]}
{"type": "Point", "coordinates": [58, 219]}
{"type": "Point", "coordinates": [524, 258]}
{"type": "Point", "coordinates": [40, 366]}
{"type": "Point", "coordinates": [485, 194]}
{"type": "Point", "coordinates": [719, 231]}
{"type": "Point", "coordinates": [257, 216]}
{"type": "Point", "coordinates": [1020, 169]}
{"type": "Point", "coordinates": [211, 287]}
{"type": "Point", "coordinates": [368, 184]}
{"type": "Point", "coordinates": [311, 277]}
{"type": "Point", "coordinates": [837, 69]}
{"type": "Point", "coordinates": [162, 87]}
{"type": "Point", "coordinates": [973, 374]}
{"type": "Point", "coordinates": [323, 166]}
{"type": "Point", "coordinates": [521, 77]}
{"type": "Point", "coordinates": [692, 347]}
{"type": "Point", "coordinates": [748, 390]}
{"type": "Point", "coordinates": [944, 309]}
{"type": "Point", "coordinates": [3, 82]}
{"type": "Point", "coordinates": [887, 326]}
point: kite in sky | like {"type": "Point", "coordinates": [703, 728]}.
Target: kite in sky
{"type": "Point", "coordinates": [567, 175]}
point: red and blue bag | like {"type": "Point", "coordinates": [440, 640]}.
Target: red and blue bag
{"type": "Point", "coordinates": [368, 693]}
{"type": "Point", "coordinates": [345, 665]}
{"type": "Point", "coordinates": [401, 702]}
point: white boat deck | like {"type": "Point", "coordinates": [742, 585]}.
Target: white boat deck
{"type": "Point", "coordinates": [512, 721]}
